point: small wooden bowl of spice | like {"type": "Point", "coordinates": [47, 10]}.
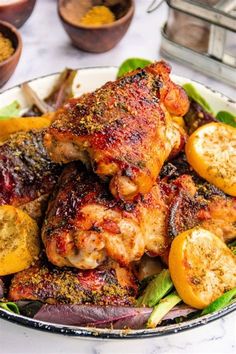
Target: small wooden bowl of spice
{"type": "Point", "coordinates": [96, 25]}
{"type": "Point", "coordinates": [16, 11]}
{"type": "Point", "coordinates": [10, 50]}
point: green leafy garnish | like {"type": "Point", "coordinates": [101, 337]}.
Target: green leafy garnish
{"type": "Point", "coordinates": [132, 64]}
{"type": "Point", "coordinates": [10, 111]}
{"type": "Point", "coordinates": [220, 303]}
{"type": "Point", "coordinates": [192, 93]}
{"type": "Point", "coordinates": [10, 306]}
{"type": "Point", "coordinates": [227, 118]}
{"type": "Point", "coordinates": [156, 289]}
{"type": "Point", "coordinates": [160, 310]}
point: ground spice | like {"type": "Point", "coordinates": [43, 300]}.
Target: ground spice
{"type": "Point", "coordinates": [97, 16]}
{"type": "Point", "coordinates": [6, 48]}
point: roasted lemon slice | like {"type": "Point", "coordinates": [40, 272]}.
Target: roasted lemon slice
{"type": "Point", "coordinates": [10, 126]}
{"type": "Point", "coordinates": [19, 240]}
{"type": "Point", "coordinates": [201, 266]}
{"type": "Point", "coordinates": [211, 151]}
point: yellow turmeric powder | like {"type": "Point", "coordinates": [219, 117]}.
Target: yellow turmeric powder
{"type": "Point", "coordinates": [6, 48]}
{"type": "Point", "coordinates": [97, 16]}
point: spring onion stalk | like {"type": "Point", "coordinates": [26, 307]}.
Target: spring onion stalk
{"type": "Point", "coordinates": [160, 310]}
{"type": "Point", "coordinates": [220, 303]}
{"type": "Point", "coordinates": [156, 289]}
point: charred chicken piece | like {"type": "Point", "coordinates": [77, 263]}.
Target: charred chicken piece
{"type": "Point", "coordinates": [106, 285]}
{"type": "Point", "coordinates": [123, 130]}
{"type": "Point", "coordinates": [193, 201]}
{"type": "Point", "coordinates": [27, 175]}
{"type": "Point", "coordinates": [84, 223]}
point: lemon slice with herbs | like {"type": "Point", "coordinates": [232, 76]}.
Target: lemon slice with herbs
{"type": "Point", "coordinates": [19, 240]}
{"type": "Point", "coordinates": [211, 151]}
{"type": "Point", "coordinates": [201, 266]}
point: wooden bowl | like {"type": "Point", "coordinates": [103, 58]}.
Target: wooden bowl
{"type": "Point", "coordinates": [17, 12]}
{"type": "Point", "coordinates": [100, 38]}
{"type": "Point", "coordinates": [7, 67]}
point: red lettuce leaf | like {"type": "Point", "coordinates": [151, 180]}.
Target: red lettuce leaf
{"type": "Point", "coordinates": [104, 316]}
{"type": "Point", "coordinates": [95, 316]}
{"type": "Point", "coordinates": [181, 310]}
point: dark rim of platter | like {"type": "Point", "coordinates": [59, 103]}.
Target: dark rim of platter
{"type": "Point", "coordinates": [115, 334]}
{"type": "Point", "coordinates": [109, 333]}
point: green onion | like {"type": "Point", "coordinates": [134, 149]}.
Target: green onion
{"type": "Point", "coordinates": [156, 289]}
{"type": "Point", "coordinates": [160, 310]}
{"type": "Point", "coordinates": [220, 303]}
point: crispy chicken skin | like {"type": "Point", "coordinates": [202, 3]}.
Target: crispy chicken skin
{"type": "Point", "coordinates": [27, 175]}
{"type": "Point", "coordinates": [84, 223]}
{"type": "Point", "coordinates": [106, 285]}
{"type": "Point", "coordinates": [123, 130]}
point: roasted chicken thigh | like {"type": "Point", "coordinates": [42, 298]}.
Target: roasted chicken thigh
{"type": "Point", "coordinates": [123, 130]}
{"type": "Point", "coordinates": [84, 224]}
{"type": "Point", "coordinates": [106, 285]}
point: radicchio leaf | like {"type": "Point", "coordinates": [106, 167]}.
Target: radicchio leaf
{"type": "Point", "coordinates": [179, 311]}
{"type": "Point", "coordinates": [95, 316]}
{"type": "Point", "coordinates": [104, 316]}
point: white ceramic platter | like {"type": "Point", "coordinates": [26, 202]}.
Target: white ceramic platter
{"type": "Point", "coordinates": [88, 80]}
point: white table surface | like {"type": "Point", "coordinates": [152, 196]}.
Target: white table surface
{"type": "Point", "coordinates": [47, 49]}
